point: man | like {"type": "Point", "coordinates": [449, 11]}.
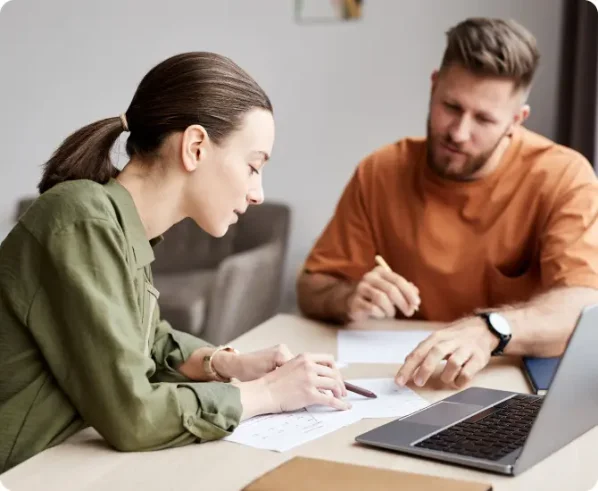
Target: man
{"type": "Point", "coordinates": [485, 225]}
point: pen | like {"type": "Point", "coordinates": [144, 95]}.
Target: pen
{"type": "Point", "coordinates": [359, 390]}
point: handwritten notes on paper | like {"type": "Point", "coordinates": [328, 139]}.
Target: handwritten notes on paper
{"type": "Point", "coordinates": [281, 432]}
{"type": "Point", "coordinates": [377, 346]}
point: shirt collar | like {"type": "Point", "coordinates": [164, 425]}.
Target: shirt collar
{"type": "Point", "coordinates": [131, 221]}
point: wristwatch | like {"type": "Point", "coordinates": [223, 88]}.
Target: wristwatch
{"type": "Point", "coordinates": [208, 367]}
{"type": "Point", "coordinates": [499, 326]}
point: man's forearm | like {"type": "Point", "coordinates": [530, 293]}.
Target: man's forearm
{"type": "Point", "coordinates": [543, 326]}
{"type": "Point", "coordinates": [324, 297]}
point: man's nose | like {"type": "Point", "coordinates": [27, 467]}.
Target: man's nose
{"type": "Point", "coordinates": [460, 131]}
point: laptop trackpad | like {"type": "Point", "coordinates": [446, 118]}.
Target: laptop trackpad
{"type": "Point", "coordinates": [443, 413]}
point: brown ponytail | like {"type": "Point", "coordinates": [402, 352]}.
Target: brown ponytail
{"type": "Point", "coordinates": [186, 89]}
{"type": "Point", "coordinates": [84, 155]}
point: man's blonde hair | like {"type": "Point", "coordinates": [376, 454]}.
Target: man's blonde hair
{"type": "Point", "coordinates": [493, 47]}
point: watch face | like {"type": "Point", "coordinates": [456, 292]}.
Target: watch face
{"type": "Point", "coordinates": [500, 324]}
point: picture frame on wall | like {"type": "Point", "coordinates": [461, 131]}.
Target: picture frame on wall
{"type": "Point", "coordinates": [332, 11]}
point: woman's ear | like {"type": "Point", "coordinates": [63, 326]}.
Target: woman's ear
{"type": "Point", "coordinates": [194, 144]}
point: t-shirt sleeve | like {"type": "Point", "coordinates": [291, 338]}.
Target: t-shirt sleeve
{"type": "Point", "coordinates": [569, 240]}
{"type": "Point", "coordinates": [346, 248]}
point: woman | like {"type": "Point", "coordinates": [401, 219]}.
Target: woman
{"type": "Point", "coordinates": [81, 342]}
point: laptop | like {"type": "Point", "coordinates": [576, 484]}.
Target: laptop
{"type": "Point", "coordinates": [505, 432]}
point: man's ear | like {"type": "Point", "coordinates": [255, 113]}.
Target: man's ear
{"type": "Point", "coordinates": [521, 116]}
{"type": "Point", "coordinates": [524, 113]}
{"type": "Point", "coordinates": [194, 146]}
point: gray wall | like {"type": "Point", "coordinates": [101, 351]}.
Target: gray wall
{"type": "Point", "coordinates": [339, 91]}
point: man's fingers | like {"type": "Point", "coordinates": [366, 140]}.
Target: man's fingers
{"type": "Point", "coordinates": [403, 294]}
{"type": "Point", "coordinates": [393, 293]}
{"type": "Point", "coordinates": [436, 354]}
{"type": "Point", "coordinates": [407, 289]}
{"type": "Point", "coordinates": [417, 356]}
{"type": "Point", "coordinates": [377, 313]}
{"type": "Point", "coordinates": [381, 292]}
{"type": "Point", "coordinates": [377, 297]}
{"type": "Point", "coordinates": [362, 309]}
{"type": "Point", "coordinates": [469, 370]}
{"type": "Point", "coordinates": [454, 364]}
{"type": "Point", "coordinates": [412, 362]}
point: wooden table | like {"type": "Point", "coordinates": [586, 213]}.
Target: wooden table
{"type": "Point", "coordinates": [86, 463]}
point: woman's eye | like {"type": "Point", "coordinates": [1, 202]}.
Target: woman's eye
{"type": "Point", "coordinates": [253, 170]}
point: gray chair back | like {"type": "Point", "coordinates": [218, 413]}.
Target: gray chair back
{"type": "Point", "coordinates": [187, 247]}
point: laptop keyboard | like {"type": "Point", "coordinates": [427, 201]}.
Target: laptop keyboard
{"type": "Point", "coordinates": [490, 434]}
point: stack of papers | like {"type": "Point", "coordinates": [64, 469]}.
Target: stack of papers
{"type": "Point", "coordinates": [281, 432]}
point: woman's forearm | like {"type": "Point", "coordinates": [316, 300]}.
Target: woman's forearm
{"type": "Point", "coordinates": [223, 363]}
{"type": "Point", "coordinates": [256, 398]}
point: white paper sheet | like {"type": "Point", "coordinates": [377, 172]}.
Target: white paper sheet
{"type": "Point", "coordinates": [281, 432]}
{"type": "Point", "coordinates": [377, 346]}
{"type": "Point", "coordinates": [392, 401]}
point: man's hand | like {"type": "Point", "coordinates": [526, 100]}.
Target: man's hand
{"type": "Point", "coordinates": [466, 345]}
{"type": "Point", "coordinates": [379, 293]}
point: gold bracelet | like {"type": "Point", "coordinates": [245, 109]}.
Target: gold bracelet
{"type": "Point", "coordinates": [208, 360]}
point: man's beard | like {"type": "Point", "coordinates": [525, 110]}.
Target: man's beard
{"type": "Point", "coordinates": [440, 166]}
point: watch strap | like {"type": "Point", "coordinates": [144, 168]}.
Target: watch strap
{"type": "Point", "coordinates": [502, 339]}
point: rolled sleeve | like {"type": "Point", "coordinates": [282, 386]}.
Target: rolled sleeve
{"type": "Point", "coordinates": [171, 349]}
{"type": "Point", "coordinates": [212, 410]}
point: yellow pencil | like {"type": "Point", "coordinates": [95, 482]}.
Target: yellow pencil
{"type": "Point", "coordinates": [381, 262]}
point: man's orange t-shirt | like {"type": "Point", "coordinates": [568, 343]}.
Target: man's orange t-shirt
{"type": "Point", "coordinates": [529, 226]}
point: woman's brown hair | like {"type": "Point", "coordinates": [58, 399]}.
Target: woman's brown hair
{"type": "Point", "coordinates": [186, 89]}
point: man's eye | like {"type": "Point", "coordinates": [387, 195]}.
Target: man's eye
{"type": "Point", "coordinates": [483, 120]}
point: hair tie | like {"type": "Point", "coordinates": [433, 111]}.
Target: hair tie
{"type": "Point", "coordinates": [123, 120]}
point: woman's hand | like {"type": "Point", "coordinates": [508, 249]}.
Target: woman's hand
{"type": "Point", "coordinates": [250, 366]}
{"type": "Point", "coordinates": [306, 380]}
